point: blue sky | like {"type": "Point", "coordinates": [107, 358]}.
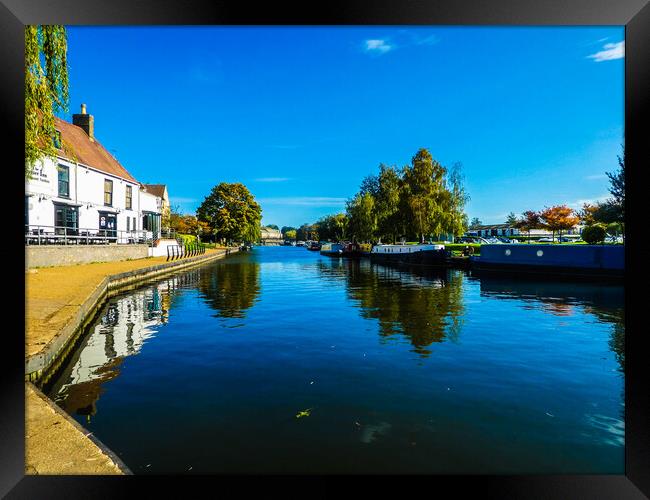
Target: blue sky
{"type": "Point", "coordinates": [301, 114]}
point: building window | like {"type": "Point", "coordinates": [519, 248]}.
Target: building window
{"type": "Point", "coordinates": [128, 223]}
{"type": "Point", "coordinates": [64, 181]}
{"type": "Point", "coordinates": [66, 219]}
{"type": "Point", "coordinates": [151, 222]}
{"type": "Point", "coordinates": [108, 193]}
{"type": "Point", "coordinates": [129, 197]}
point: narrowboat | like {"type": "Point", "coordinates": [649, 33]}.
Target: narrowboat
{"type": "Point", "coordinates": [331, 249]}
{"type": "Point", "coordinates": [365, 249]}
{"type": "Point", "coordinates": [313, 246]}
{"type": "Point", "coordinates": [426, 255]}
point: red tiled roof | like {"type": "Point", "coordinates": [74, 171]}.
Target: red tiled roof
{"type": "Point", "coordinates": [155, 189]}
{"type": "Point", "coordinates": [78, 147]}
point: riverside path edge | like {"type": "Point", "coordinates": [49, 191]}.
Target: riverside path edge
{"type": "Point", "coordinates": [37, 364]}
{"type": "Point", "coordinates": [55, 443]}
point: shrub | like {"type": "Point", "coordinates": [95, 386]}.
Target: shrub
{"type": "Point", "coordinates": [188, 238]}
{"type": "Point", "coordinates": [594, 234]}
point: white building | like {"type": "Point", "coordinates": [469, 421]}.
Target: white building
{"type": "Point", "coordinates": [270, 236]}
{"type": "Point", "coordinates": [85, 195]}
{"type": "Point", "coordinates": [507, 230]}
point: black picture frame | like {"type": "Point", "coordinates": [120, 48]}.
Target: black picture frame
{"type": "Point", "coordinates": [633, 14]}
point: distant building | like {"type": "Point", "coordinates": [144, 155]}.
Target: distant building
{"type": "Point", "coordinates": [271, 236]}
{"type": "Point", "coordinates": [507, 230]}
{"type": "Point", "coordinates": [493, 230]}
{"type": "Point", "coordinates": [84, 192]}
{"type": "Point", "coordinates": [160, 192]}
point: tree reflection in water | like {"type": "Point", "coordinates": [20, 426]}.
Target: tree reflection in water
{"type": "Point", "coordinates": [423, 304]}
{"type": "Point", "coordinates": [230, 288]}
{"type": "Point", "coordinates": [606, 302]}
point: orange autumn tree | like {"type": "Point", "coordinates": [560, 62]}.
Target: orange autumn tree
{"type": "Point", "coordinates": [588, 213]}
{"type": "Point", "coordinates": [529, 221]}
{"type": "Point", "coordinates": [559, 218]}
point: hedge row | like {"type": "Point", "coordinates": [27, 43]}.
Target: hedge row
{"type": "Point", "coordinates": [188, 239]}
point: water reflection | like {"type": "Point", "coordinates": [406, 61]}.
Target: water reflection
{"type": "Point", "coordinates": [124, 326]}
{"type": "Point", "coordinates": [231, 288]}
{"type": "Point", "coordinates": [605, 302]}
{"type": "Point", "coordinates": [516, 380]}
{"type": "Point", "coordinates": [424, 305]}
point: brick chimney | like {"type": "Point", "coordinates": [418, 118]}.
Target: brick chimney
{"type": "Point", "coordinates": [85, 121]}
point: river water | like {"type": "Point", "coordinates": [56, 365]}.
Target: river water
{"type": "Point", "coordinates": [394, 371]}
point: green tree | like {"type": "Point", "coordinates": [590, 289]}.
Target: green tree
{"type": "Point", "coordinates": [362, 223]}
{"type": "Point", "coordinates": [232, 213]}
{"type": "Point", "coordinates": [457, 218]}
{"type": "Point", "coordinates": [339, 225]}
{"type": "Point", "coordinates": [370, 185]}
{"type": "Point", "coordinates": [607, 212]}
{"type": "Point", "coordinates": [273, 226]}
{"type": "Point", "coordinates": [46, 89]}
{"type": "Point", "coordinates": [594, 234]}
{"type": "Point", "coordinates": [426, 198]}
{"type": "Point", "coordinates": [511, 219]}
{"type": "Point", "coordinates": [308, 232]}
{"type": "Point", "coordinates": [612, 210]}
{"type": "Point", "coordinates": [476, 222]}
{"type": "Point", "coordinates": [301, 232]}
{"type": "Point", "coordinates": [290, 234]}
{"type": "Point", "coordinates": [617, 188]}
{"type": "Point", "coordinates": [325, 228]}
{"type": "Point", "coordinates": [387, 202]}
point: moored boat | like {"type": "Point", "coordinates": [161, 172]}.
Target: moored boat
{"type": "Point", "coordinates": [331, 249]}
{"type": "Point", "coordinates": [427, 255]}
{"type": "Point", "coordinates": [313, 246]}
{"type": "Point", "coordinates": [365, 249]}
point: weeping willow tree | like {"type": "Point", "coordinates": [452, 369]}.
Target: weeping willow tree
{"type": "Point", "coordinates": [46, 89]}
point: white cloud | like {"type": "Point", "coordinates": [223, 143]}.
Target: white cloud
{"type": "Point", "coordinates": [305, 201]}
{"type": "Point", "coordinates": [426, 40]}
{"type": "Point", "coordinates": [611, 52]}
{"type": "Point", "coordinates": [377, 46]}
{"type": "Point", "coordinates": [273, 179]}
{"type": "Point", "coordinates": [595, 177]}
{"type": "Point", "coordinates": [592, 201]}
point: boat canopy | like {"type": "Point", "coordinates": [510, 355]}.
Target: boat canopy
{"type": "Point", "coordinates": [406, 248]}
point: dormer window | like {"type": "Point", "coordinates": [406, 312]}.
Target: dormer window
{"type": "Point", "coordinates": [56, 140]}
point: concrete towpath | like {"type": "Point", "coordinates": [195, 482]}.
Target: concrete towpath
{"type": "Point", "coordinates": [54, 442]}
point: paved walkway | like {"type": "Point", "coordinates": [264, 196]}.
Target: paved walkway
{"type": "Point", "coordinates": [54, 445]}
{"type": "Point", "coordinates": [54, 442]}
